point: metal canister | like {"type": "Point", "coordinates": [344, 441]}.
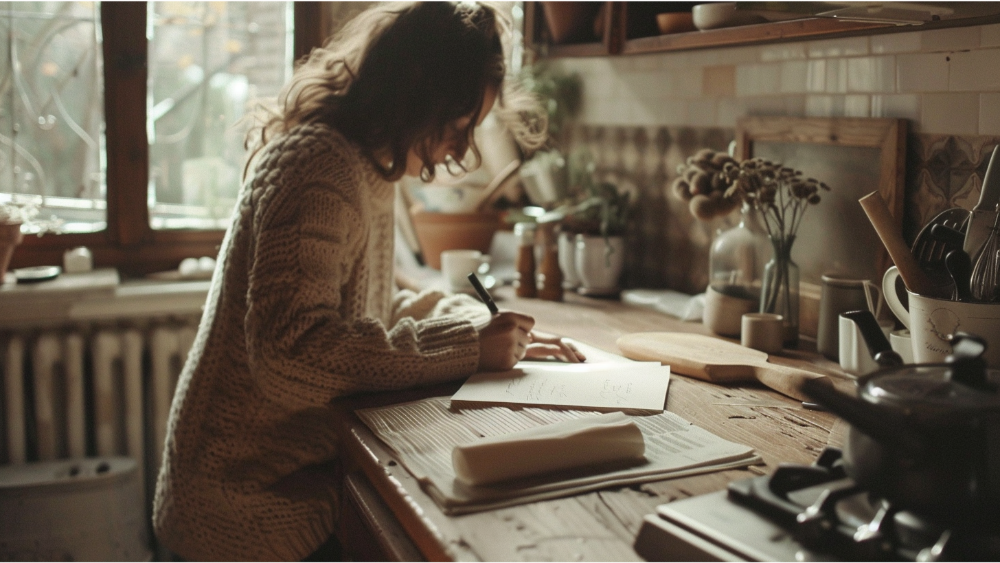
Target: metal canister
{"type": "Point", "coordinates": [838, 295]}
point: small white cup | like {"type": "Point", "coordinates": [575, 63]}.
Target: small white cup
{"type": "Point", "coordinates": [855, 357]}
{"type": "Point", "coordinates": [78, 260]}
{"type": "Point", "coordinates": [902, 343]}
{"type": "Point", "coordinates": [456, 265]}
{"type": "Point", "coordinates": [762, 331]}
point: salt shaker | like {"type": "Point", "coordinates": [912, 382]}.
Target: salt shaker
{"type": "Point", "coordinates": [550, 276]}
{"type": "Point", "coordinates": [524, 285]}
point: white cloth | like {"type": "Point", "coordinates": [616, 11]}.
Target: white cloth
{"type": "Point", "coordinates": [563, 445]}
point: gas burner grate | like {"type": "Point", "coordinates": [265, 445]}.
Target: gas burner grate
{"type": "Point", "coordinates": [828, 512]}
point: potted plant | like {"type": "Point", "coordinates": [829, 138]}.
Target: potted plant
{"type": "Point", "coordinates": [15, 218]}
{"type": "Point", "coordinates": [12, 216]}
{"type": "Point", "coordinates": [593, 223]}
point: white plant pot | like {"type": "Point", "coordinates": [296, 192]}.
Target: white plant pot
{"type": "Point", "coordinates": [598, 270]}
{"type": "Point", "coordinates": [567, 260]}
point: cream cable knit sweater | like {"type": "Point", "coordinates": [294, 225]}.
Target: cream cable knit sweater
{"type": "Point", "coordinates": [301, 311]}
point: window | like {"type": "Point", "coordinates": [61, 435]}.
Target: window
{"type": "Point", "coordinates": [166, 80]}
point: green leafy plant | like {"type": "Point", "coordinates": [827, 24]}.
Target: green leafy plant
{"type": "Point", "coordinates": [594, 207]}
{"type": "Point", "coordinates": [560, 93]}
{"type": "Point", "coordinates": [25, 213]}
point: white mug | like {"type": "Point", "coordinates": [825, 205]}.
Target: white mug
{"type": "Point", "coordinates": [456, 265]}
{"type": "Point", "coordinates": [932, 322]}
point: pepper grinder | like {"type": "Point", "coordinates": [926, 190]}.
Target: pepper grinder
{"type": "Point", "coordinates": [524, 284]}
{"type": "Point", "coordinates": [550, 276]}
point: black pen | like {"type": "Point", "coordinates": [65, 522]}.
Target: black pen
{"type": "Point", "coordinates": [483, 294]}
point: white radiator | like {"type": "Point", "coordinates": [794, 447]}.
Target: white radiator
{"type": "Point", "coordinates": [91, 390]}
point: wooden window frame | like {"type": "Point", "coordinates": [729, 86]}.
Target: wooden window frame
{"type": "Point", "coordinates": [129, 243]}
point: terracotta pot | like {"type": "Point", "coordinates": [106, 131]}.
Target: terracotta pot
{"type": "Point", "coordinates": [10, 237]}
{"type": "Point", "coordinates": [571, 22]}
{"type": "Point", "coordinates": [437, 232]}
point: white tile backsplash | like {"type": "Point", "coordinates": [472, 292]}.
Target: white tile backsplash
{"type": "Point", "coordinates": [895, 43]}
{"type": "Point", "coordinates": [951, 113]}
{"type": "Point", "coordinates": [727, 111]}
{"type": "Point", "coordinates": [825, 106]}
{"type": "Point", "coordinates": [990, 36]}
{"type": "Point", "coordinates": [906, 106]}
{"type": "Point", "coordinates": [758, 79]}
{"type": "Point", "coordinates": [989, 113]}
{"type": "Point", "coordinates": [941, 80]}
{"type": "Point", "coordinates": [975, 71]}
{"type": "Point", "coordinates": [922, 72]}
{"type": "Point", "coordinates": [816, 76]}
{"type": "Point", "coordinates": [765, 106]}
{"type": "Point", "coordinates": [836, 76]}
{"type": "Point", "coordinates": [783, 52]}
{"type": "Point", "coordinates": [871, 74]}
{"type": "Point", "coordinates": [686, 83]}
{"type": "Point", "coordinates": [701, 113]}
{"type": "Point", "coordinates": [851, 46]}
{"type": "Point", "coordinates": [795, 77]}
{"type": "Point", "coordinates": [857, 105]}
{"type": "Point", "coordinates": [949, 39]}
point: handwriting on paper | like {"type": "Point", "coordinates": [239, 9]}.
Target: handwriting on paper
{"type": "Point", "coordinates": [610, 386]}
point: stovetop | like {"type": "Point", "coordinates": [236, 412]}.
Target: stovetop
{"type": "Point", "coordinates": [807, 513]}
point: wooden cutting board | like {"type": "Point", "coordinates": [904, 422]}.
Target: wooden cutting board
{"type": "Point", "coordinates": [716, 360]}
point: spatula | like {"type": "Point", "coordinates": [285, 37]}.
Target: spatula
{"type": "Point", "coordinates": [716, 360]}
{"type": "Point", "coordinates": [985, 212]}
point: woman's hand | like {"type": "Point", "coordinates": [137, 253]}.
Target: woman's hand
{"type": "Point", "coordinates": [544, 346]}
{"type": "Point", "coordinates": [504, 341]}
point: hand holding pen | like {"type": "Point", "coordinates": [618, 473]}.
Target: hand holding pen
{"type": "Point", "coordinates": [495, 338]}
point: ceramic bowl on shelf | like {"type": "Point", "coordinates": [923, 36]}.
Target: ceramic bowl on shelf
{"type": "Point", "coordinates": [717, 15]}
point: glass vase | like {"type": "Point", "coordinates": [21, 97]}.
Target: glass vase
{"type": "Point", "coordinates": [736, 268]}
{"type": "Point", "coordinates": [780, 292]}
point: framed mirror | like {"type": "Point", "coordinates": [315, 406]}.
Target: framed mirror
{"type": "Point", "coordinates": [854, 156]}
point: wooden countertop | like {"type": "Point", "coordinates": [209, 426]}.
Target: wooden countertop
{"type": "Point", "coordinates": [389, 504]}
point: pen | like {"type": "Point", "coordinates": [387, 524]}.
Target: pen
{"type": "Point", "coordinates": [483, 294]}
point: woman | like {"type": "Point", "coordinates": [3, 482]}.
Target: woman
{"type": "Point", "coordinates": [302, 308]}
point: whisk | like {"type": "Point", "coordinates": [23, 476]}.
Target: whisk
{"type": "Point", "coordinates": [985, 281]}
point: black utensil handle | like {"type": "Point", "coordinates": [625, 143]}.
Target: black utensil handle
{"type": "Point", "coordinates": [960, 267]}
{"type": "Point", "coordinates": [878, 344]}
{"type": "Point", "coordinates": [948, 235]}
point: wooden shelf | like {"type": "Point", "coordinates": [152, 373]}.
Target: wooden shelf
{"type": "Point", "coordinates": [808, 28]}
{"type": "Point", "coordinates": [773, 32]}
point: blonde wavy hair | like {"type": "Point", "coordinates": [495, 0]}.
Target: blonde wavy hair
{"type": "Point", "coordinates": [397, 76]}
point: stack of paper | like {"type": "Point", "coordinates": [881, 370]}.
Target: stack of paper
{"type": "Point", "coordinates": [424, 434]}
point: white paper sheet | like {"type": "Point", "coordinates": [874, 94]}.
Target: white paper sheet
{"type": "Point", "coordinates": [601, 385]}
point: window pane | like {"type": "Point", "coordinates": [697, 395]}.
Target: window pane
{"type": "Point", "coordinates": [52, 111]}
{"type": "Point", "coordinates": [208, 61]}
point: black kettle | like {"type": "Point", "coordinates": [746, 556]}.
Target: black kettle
{"type": "Point", "coordinates": [926, 437]}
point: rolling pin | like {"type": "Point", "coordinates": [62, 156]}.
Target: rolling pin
{"type": "Point", "coordinates": [914, 277]}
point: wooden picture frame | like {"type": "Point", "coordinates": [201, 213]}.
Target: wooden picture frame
{"type": "Point", "coordinates": [854, 156]}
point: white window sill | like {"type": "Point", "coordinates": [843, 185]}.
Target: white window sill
{"type": "Point", "coordinates": [97, 296]}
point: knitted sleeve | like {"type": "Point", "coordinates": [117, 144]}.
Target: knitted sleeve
{"type": "Point", "coordinates": [306, 271]}
{"type": "Point", "coordinates": [431, 303]}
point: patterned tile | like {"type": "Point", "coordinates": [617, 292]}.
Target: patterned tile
{"type": "Point", "coordinates": [668, 248]}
